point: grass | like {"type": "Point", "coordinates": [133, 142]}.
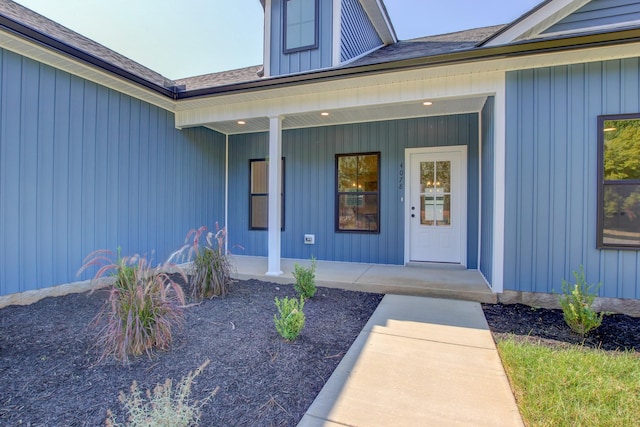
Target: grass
{"type": "Point", "coordinates": [572, 386]}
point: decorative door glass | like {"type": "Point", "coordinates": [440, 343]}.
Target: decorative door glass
{"type": "Point", "coordinates": [435, 193]}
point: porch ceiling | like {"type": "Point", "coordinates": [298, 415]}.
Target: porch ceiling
{"type": "Point", "coordinates": [372, 113]}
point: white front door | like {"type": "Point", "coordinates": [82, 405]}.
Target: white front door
{"type": "Point", "coordinates": [437, 204]}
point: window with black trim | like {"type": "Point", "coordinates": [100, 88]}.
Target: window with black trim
{"type": "Point", "coordinates": [619, 181]}
{"type": "Point", "coordinates": [300, 25]}
{"type": "Point", "coordinates": [259, 194]}
{"type": "Point", "coordinates": [358, 192]}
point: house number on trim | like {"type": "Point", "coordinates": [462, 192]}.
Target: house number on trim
{"type": "Point", "coordinates": [401, 177]}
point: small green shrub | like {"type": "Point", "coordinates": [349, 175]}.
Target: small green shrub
{"type": "Point", "coordinates": [290, 318]}
{"type": "Point", "coordinates": [164, 407]}
{"type": "Point", "coordinates": [576, 303]}
{"type": "Point", "coordinates": [141, 310]}
{"type": "Point", "coordinates": [305, 277]}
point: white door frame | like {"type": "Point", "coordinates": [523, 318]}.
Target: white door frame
{"type": "Point", "coordinates": [462, 149]}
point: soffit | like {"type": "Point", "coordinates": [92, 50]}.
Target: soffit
{"type": "Point", "coordinates": [391, 111]}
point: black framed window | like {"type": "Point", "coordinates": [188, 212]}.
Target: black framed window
{"type": "Point", "coordinates": [358, 192]}
{"type": "Point", "coordinates": [259, 194]}
{"type": "Point", "coordinates": [300, 19]}
{"type": "Point", "coordinates": [619, 181]}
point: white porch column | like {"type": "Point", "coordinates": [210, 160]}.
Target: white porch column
{"type": "Point", "coordinates": [275, 198]}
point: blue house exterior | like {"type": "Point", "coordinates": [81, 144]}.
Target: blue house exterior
{"type": "Point", "coordinates": [478, 148]}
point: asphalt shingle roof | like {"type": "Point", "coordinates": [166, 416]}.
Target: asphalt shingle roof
{"type": "Point", "coordinates": [428, 46]}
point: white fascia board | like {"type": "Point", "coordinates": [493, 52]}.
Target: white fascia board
{"type": "Point", "coordinates": [380, 20]}
{"type": "Point", "coordinates": [73, 66]}
{"type": "Point", "coordinates": [531, 25]}
{"type": "Point", "coordinates": [266, 46]}
{"type": "Point", "coordinates": [337, 32]}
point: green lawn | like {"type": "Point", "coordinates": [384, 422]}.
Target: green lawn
{"type": "Point", "coordinates": [573, 386]}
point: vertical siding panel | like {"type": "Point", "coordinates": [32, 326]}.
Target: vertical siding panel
{"type": "Point", "coordinates": [75, 179]}
{"type": "Point", "coordinates": [121, 181]}
{"type": "Point", "coordinates": [60, 182]}
{"type": "Point", "coordinates": [28, 168]}
{"type": "Point", "coordinates": [11, 171]}
{"type": "Point", "coordinates": [541, 201]}
{"type": "Point", "coordinates": [44, 185]}
{"type": "Point", "coordinates": [558, 189]}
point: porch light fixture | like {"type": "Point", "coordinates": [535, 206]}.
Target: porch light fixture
{"type": "Point", "coordinates": [324, 113]}
{"type": "Point", "coordinates": [242, 122]}
{"type": "Point", "coordinates": [427, 103]}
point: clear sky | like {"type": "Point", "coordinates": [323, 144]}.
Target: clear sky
{"type": "Point", "coordinates": [183, 38]}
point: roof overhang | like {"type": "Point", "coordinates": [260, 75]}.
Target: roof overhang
{"type": "Point", "coordinates": [379, 17]}
{"type": "Point", "coordinates": [535, 21]}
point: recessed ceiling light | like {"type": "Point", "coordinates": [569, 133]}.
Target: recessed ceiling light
{"type": "Point", "coordinates": [324, 113]}
{"type": "Point", "coordinates": [427, 103]}
{"type": "Point", "coordinates": [242, 122]}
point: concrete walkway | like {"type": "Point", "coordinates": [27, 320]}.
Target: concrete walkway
{"type": "Point", "coordinates": [418, 362]}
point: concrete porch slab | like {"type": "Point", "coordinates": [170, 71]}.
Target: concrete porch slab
{"type": "Point", "coordinates": [385, 279]}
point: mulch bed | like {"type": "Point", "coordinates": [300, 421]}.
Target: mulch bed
{"type": "Point", "coordinates": [50, 376]}
{"type": "Point", "coordinates": [618, 332]}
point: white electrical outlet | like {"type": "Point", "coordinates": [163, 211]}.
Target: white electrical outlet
{"type": "Point", "coordinates": [309, 239]}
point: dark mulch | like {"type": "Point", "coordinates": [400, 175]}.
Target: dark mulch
{"type": "Point", "coordinates": [617, 332]}
{"type": "Point", "coordinates": [49, 377]}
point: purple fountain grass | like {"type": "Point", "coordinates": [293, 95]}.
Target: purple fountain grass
{"type": "Point", "coordinates": [143, 306]}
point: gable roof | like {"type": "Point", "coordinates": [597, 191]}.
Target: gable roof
{"type": "Point", "coordinates": [19, 19]}
{"type": "Point", "coordinates": [542, 21]}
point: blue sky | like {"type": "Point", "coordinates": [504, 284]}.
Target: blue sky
{"type": "Point", "coordinates": [182, 38]}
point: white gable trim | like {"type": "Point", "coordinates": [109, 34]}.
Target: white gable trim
{"type": "Point", "coordinates": [602, 28]}
{"type": "Point", "coordinates": [376, 13]}
{"type": "Point", "coordinates": [533, 23]}
{"type": "Point", "coordinates": [337, 32]}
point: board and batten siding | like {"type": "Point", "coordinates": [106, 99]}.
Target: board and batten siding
{"type": "Point", "coordinates": [296, 62]}
{"type": "Point", "coordinates": [357, 33]}
{"type": "Point", "coordinates": [599, 13]}
{"type": "Point", "coordinates": [487, 178]}
{"type": "Point", "coordinates": [83, 167]}
{"type": "Point", "coordinates": [310, 189]}
{"type": "Point", "coordinates": [551, 170]}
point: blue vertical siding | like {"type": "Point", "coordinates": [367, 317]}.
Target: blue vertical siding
{"type": "Point", "coordinates": [287, 63]}
{"type": "Point", "coordinates": [488, 181]}
{"type": "Point", "coordinates": [83, 167]}
{"type": "Point", "coordinates": [357, 33]}
{"type": "Point", "coordinates": [597, 13]}
{"type": "Point", "coordinates": [310, 186]}
{"type": "Point", "coordinates": [551, 187]}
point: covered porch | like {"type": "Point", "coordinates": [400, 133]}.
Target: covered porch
{"type": "Point", "coordinates": [435, 281]}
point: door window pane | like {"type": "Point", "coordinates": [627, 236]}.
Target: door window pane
{"type": "Point", "coordinates": [435, 193]}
